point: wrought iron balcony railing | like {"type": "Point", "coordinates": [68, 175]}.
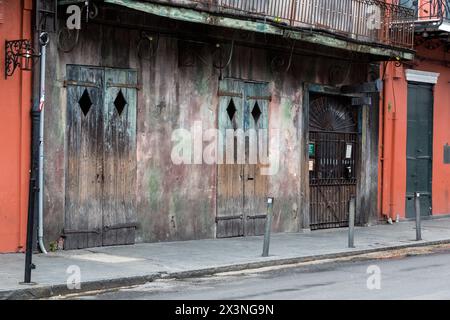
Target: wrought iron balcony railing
{"type": "Point", "coordinates": [377, 21]}
{"type": "Point", "coordinates": [428, 13]}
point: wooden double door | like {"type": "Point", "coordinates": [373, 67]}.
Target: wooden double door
{"type": "Point", "coordinates": [100, 202]}
{"type": "Point", "coordinates": [242, 188]}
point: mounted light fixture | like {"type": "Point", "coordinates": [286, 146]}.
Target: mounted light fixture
{"type": "Point", "coordinates": [19, 54]}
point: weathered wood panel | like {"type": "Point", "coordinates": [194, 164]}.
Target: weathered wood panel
{"type": "Point", "coordinates": [257, 98]}
{"type": "Point", "coordinates": [119, 157]}
{"type": "Point", "coordinates": [178, 202]}
{"type": "Point", "coordinates": [101, 168]}
{"type": "Point", "coordinates": [230, 186]}
{"type": "Point", "coordinates": [83, 210]}
{"type": "Point", "coordinates": [242, 189]}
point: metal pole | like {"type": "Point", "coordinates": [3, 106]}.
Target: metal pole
{"type": "Point", "coordinates": [36, 174]}
{"type": "Point", "coordinates": [29, 249]}
{"type": "Point", "coordinates": [418, 216]}
{"type": "Point", "coordinates": [43, 40]}
{"type": "Point", "coordinates": [351, 223]}
{"type": "Point", "coordinates": [33, 193]}
{"type": "Point", "coordinates": [268, 227]}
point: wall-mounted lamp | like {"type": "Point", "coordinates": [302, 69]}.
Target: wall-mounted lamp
{"type": "Point", "coordinates": [18, 54]}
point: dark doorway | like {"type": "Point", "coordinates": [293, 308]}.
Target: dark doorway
{"type": "Point", "coordinates": [333, 160]}
{"type": "Point", "coordinates": [100, 204]}
{"type": "Point", "coordinates": [419, 151]}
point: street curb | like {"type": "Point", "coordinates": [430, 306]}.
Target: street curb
{"type": "Point", "coordinates": [109, 284]}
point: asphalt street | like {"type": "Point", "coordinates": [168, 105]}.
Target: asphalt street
{"type": "Point", "coordinates": [404, 277]}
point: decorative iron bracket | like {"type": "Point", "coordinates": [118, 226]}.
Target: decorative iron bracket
{"type": "Point", "coordinates": [19, 54]}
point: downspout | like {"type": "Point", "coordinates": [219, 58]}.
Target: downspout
{"type": "Point", "coordinates": [43, 41]}
{"type": "Point", "coordinates": [391, 192]}
{"type": "Point", "coordinates": [382, 125]}
{"type": "Point", "coordinates": [391, 180]}
{"type": "Point", "coordinates": [390, 215]}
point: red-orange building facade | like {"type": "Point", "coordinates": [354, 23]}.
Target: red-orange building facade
{"type": "Point", "coordinates": [15, 103]}
{"type": "Point", "coordinates": [415, 121]}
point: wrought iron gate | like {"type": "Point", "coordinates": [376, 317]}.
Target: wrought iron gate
{"type": "Point", "coordinates": [333, 151]}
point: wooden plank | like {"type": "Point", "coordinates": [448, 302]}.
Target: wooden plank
{"type": "Point", "coordinates": [305, 197]}
{"type": "Point", "coordinates": [229, 184]}
{"type": "Point", "coordinates": [83, 208]}
{"type": "Point", "coordinates": [255, 184]}
{"type": "Point", "coordinates": [119, 156]}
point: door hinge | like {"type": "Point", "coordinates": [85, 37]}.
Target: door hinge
{"type": "Point", "coordinates": [256, 217]}
{"type": "Point", "coordinates": [120, 226]}
{"type": "Point", "coordinates": [67, 83]}
{"type": "Point", "coordinates": [74, 231]}
{"type": "Point", "coordinates": [240, 217]}
{"type": "Point", "coordinates": [268, 98]}
{"type": "Point", "coordinates": [229, 94]}
{"type": "Point", "coordinates": [123, 85]}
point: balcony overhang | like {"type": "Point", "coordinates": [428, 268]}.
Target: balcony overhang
{"type": "Point", "coordinates": [445, 26]}
{"type": "Point", "coordinates": [318, 37]}
{"type": "Point", "coordinates": [433, 25]}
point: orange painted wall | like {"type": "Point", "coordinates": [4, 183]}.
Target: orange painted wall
{"type": "Point", "coordinates": [15, 103]}
{"type": "Point", "coordinates": [393, 158]}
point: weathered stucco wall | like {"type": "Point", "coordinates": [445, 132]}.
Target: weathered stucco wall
{"type": "Point", "coordinates": [179, 85]}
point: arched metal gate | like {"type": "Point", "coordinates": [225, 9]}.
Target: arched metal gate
{"type": "Point", "coordinates": [333, 152]}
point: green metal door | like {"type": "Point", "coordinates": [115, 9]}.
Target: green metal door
{"type": "Point", "coordinates": [419, 147]}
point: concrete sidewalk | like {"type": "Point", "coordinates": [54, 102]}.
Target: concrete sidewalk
{"type": "Point", "coordinates": [110, 267]}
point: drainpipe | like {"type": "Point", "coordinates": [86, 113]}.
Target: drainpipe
{"type": "Point", "coordinates": [390, 214]}
{"type": "Point", "coordinates": [382, 133]}
{"type": "Point", "coordinates": [391, 191]}
{"type": "Point", "coordinates": [43, 41]}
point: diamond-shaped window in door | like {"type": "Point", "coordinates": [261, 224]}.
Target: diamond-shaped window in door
{"type": "Point", "coordinates": [231, 110]}
{"type": "Point", "coordinates": [120, 102]}
{"type": "Point", "coordinates": [85, 102]}
{"type": "Point", "coordinates": [256, 112]}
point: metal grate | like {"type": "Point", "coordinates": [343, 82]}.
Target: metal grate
{"type": "Point", "coordinates": [428, 10]}
{"type": "Point", "coordinates": [333, 161]}
{"type": "Point", "coordinates": [332, 178]}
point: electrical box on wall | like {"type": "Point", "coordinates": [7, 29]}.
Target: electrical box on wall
{"type": "Point", "coordinates": [447, 154]}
